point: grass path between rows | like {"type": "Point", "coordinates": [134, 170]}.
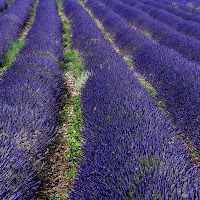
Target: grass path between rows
{"type": "Point", "coordinates": [64, 161]}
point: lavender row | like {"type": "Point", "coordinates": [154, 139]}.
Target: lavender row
{"type": "Point", "coordinates": [188, 6]}
{"type": "Point", "coordinates": [172, 10]}
{"type": "Point", "coordinates": [167, 18]}
{"type": "Point", "coordinates": [30, 95]}
{"type": "Point", "coordinates": [194, 4]}
{"type": "Point", "coordinates": [188, 28]}
{"type": "Point", "coordinates": [191, 6]}
{"type": "Point", "coordinates": [173, 2]}
{"type": "Point", "coordinates": [129, 152]}
{"type": "Point", "coordinates": [184, 7]}
{"type": "Point", "coordinates": [175, 79]}
{"type": "Point", "coordinates": [45, 36]}
{"type": "Point", "coordinates": [4, 4]}
{"type": "Point", "coordinates": [176, 11]}
{"type": "Point", "coordinates": [11, 23]}
{"type": "Point", "coordinates": [161, 33]}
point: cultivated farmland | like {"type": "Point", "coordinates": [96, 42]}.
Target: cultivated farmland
{"type": "Point", "coordinates": [99, 99]}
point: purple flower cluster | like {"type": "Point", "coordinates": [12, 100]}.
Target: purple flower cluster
{"type": "Point", "coordinates": [4, 4]}
{"type": "Point", "coordinates": [186, 27]}
{"type": "Point", "coordinates": [131, 151]}
{"type": "Point", "coordinates": [30, 95]}
{"type": "Point", "coordinates": [175, 79]}
{"type": "Point", "coordinates": [161, 33]}
{"type": "Point", "coordinates": [11, 23]}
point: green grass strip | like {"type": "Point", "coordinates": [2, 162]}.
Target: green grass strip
{"type": "Point", "coordinates": [11, 54]}
{"type": "Point", "coordinates": [148, 86]}
{"type": "Point", "coordinates": [75, 140]}
{"type": "Point", "coordinates": [30, 21]}
{"type": "Point", "coordinates": [10, 3]}
{"type": "Point", "coordinates": [73, 64]}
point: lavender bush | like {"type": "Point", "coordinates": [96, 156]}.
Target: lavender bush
{"type": "Point", "coordinates": [11, 23]}
{"type": "Point", "coordinates": [161, 33]}
{"type": "Point", "coordinates": [31, 91]}
{"type": "Point", "coordinates": [174, 78]}
{"type": "Point", "coordinates": [188, 28]}
{"type": "Point", "coordinates": [4, 4]}
{"type": "Point", "coordinates": [176, 11]}
{"type": "Point", "coordinates": [131, 150]}
{"type": "Point", "coordinates": [45, 36]}
{"type": "Point", "coordinates": [184, 7]}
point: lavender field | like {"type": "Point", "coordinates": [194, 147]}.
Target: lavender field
{"type": "Point", "coordinates": [99, 99]}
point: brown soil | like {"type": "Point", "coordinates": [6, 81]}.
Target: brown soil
{"type": "Point", "coordinates": [60, 184]}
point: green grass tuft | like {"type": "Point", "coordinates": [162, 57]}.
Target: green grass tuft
{"type": "Point", "coordinates": [33, 12]}
{"type": "Point", "coordinates": [10, 3]}
{"type": "Point", "coordinates": [147, 85]}
{"type": "Point", "coordinates": [11, 54]}
{"type": "Point", "coordinates": [147, 34]}
{"type": "Point", "coordinates": [161, 105]}
{"type": "Point", "coordinates": [56, 197]}
{"type": "Point", "coordinates": [129, 62]}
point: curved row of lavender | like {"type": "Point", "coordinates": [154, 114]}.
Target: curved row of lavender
{"type": "Point", "coordinates": [30, 97]}
{"type": "Point", "coordinates": [188, 3]}
{"type": "Point", "coordinates": [11, 23]}
{"type": "Point", "coordinates": [176, 11]}
{"type": "Point", "coordinates": [161, 33]}
{"type": "Point", "coordinates": [184, 2]}
{"type": "Point", "coordinates": [190, 7]}
{"type": "Point", "coordinates": [181, 6]}
{"type": "Point", "coordinates": [45, 36]}
{"type": "Point", "coordinates": [4, 4]}
{"type": "Point", "coordinates": [188, 28]}
{"type": "Point", "coordinates": [131, 151]}
{"type": "Point", "coordinates": [175, 79]}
